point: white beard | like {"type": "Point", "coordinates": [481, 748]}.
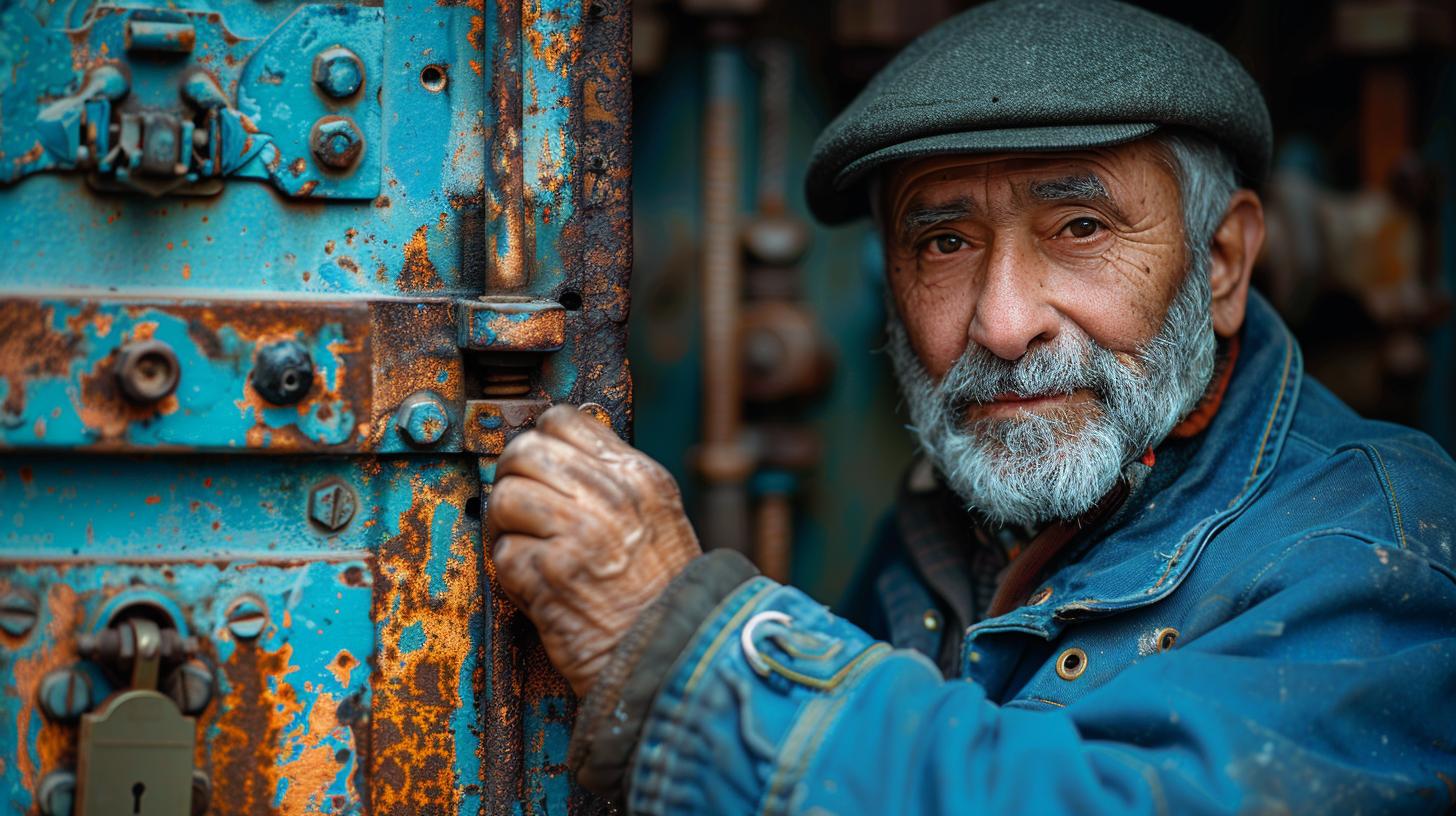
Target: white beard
{"type": "Point", "coordinates": [1035, 467]}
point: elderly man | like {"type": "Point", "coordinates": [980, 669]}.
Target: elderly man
{"type": "Point", "coordinates": [1144, 565]}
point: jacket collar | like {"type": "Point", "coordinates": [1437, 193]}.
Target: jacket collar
{"type": "Point", "coordinates": [1146, 549]}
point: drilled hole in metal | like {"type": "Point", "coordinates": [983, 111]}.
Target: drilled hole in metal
{"type": "Point", "coordinates": [434, 78]}
{"type": "Point", "coordinates": [571, 301]}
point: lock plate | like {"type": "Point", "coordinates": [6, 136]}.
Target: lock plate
{"type": "Point", "coordinates": [135, 757]}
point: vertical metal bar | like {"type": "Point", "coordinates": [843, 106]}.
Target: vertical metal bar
{"type": "Point", "coordinates": [723, 463]}
{"type": "Point", "coordinates": [507, 253]}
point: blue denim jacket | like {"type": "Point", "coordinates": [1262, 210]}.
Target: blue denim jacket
{"type": "Point", "coordinates": [1303, 560]}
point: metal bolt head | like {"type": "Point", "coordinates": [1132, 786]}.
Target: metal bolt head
{"type": "Point", "coordinates": [422, 419]}
{"type": "Point", "coordinates": [246, 619]}
{"type": "Point", "coordinates": [147, 370]}
{"type": "Point", "coordinates": [65, 694]}
{"type": "Point", "coordinates": [57, 794]}
{"type": "Point", "coordinates": [337, 142]}
{"type": "Point", "coordinates": [338, 72]}
{"type": "Point", "coordinates": [331, 505]}
{"type": "Point", "coordinates": [201, 793]}
{"type": "Point", "coordinates": [190, 685]}
{"type": "Point", "coordinates": [18, 612]}
{"type": "Point", "coordinates": [283, 372]}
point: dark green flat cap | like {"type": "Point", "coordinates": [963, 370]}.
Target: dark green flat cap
{"type": "Point", "coordinates": [1038, 75]}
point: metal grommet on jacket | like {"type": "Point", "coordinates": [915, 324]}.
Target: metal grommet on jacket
{"type": "Point", "coordinates": [1165, 638]}
{"type": "Point", "coordinates": [931, 620]}
{"type": "Point", "coordinates": [1071, 663]}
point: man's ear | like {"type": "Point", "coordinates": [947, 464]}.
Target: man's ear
{"type": "Point", "coordinates": [1236, 244]}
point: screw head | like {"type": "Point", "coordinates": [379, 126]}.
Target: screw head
{"type": "Point", "coordinates": [57, 794]}
{"type": "Point", "coordinates": [18, 612]}
{"type": "Point", "coordinates": [338, 72]}
{"type": "Point", "coordinates": [283, 372]}
{"type": "Point", "coordinates": [65, 694]}
{"type": "Point", "coordinates": [331, 505]}
{"type": "Point", "coordinates": [246, 619]}
{"type": "Point", "coordinates": [147, 370]}
{"type": "Point", "coordinates": [190, 685]}
{"type": "Point", "coordinates": [337, 142]}
{"type": "Point", "coordinates": [422, 419]}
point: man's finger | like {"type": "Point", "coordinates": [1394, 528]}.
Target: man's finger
{"type": "Point", "coordinates": [558, 465]}
{"type": "Point", "coordinates": [521, 505]}
{"type": "Point", "coordinates": [581, 430]}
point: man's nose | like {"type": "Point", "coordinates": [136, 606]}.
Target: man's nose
{"type": "Point", "coordinates": [1012, 311]}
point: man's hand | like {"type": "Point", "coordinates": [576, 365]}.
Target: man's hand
{"type": "Point", "coordinates": [588, 531]}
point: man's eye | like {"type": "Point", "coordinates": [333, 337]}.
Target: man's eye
{"type": "Point", "coordinates": [946, 244]}
{"type": "Point", "coordinates": [1082, 227]}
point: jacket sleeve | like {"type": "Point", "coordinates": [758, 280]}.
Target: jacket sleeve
{"type": "Point", "coordinates": [1326, 686]}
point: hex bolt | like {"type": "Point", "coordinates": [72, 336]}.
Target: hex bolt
{"type": "Point", "coordinates": [283, 372]}
{"type": "Point", "coordinates": [338, 72]}
{"type": "Point", "coordinates": [337, 142]}
{"type": "Point", "coordinates": [422, 419]}
{"type": "Point", "coordinates": [147, 371]}
{"type": "Point", "coordinates": [331, 505]}
{"type": "Point", "coordinates": [190, 685]}
{"type": "Point", "coordinates": [18, 613]}
{"type": "Point", "coordinates": [201, 793]}
{"type": "Point", "coordinates": [246, 619]}
{"type": "Point", "coordinates": [57, 794]}
{"type": "Point", "coordinates": [65, 694]}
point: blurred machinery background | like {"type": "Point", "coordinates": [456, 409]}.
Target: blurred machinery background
{"type": "Point", "coordinates": [755, 332]}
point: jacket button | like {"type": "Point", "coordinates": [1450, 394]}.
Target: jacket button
{"type": "Point", "coordinates": [1041, 596]}
{"type": "Point", "coordinates": [931, 619]}
{"type": "Point", "coordinates": [1071, 664]}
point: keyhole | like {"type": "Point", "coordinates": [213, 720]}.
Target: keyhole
{"type": "Point", "coordinates": [136, 797]}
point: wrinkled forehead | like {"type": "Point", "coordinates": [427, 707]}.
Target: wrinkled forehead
{"type": "Point", "coordinates": [970, 181]}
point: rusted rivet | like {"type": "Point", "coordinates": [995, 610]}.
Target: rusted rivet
{"type": "Point", "coordinates": [337, 142]}
{"type": "Point", "coordinates": [422, 419]}
{"type": "Point", "coordinates": [147, 370]}
{"type": "Point", "coordinates": [338, 72]}
{"type": "Point", "coordinates": [65, 694]}
{"type": "Point", "coordinates": [190, 685]}
{"type": "Point", "coordinates": [331, 505]}
{"type": "Point", "coordinates": [57, 794]}
{"type": "Point", "coordinates": [18, 613]}
{"type": "Point", "coordinates": [283, 372]}
{"type": "Point", "coordinates": [246, 618]}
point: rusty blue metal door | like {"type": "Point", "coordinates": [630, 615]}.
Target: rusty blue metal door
{"type": "Point", "coordinates": [278, 283]}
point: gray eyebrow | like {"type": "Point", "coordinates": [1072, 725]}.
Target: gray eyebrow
{"type": "Point", "coordinates": [1071, 188]}
{"type": "Point", "coordinates": [920, 217]}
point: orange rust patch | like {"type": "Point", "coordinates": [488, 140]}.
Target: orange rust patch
{"type": "Point", "coordinates": [416, 694]}
{"type": "Point", "coordinates": [30, 348]}
{"type": "Point", "coordinates": [342, 667]}
{"type": "Point", "coordinates": [56, 744]}
{"type": "Point", "coordinates": [419, 271]}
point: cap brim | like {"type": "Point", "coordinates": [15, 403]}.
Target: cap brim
{"type": "Point", "coordinates": [1007, 140]}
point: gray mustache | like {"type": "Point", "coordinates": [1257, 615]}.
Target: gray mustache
{"type": "Point", "coordinates": [1060, 368]}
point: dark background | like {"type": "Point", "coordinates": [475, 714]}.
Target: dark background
{"type": "Point", "coordinates": [1360, 261]}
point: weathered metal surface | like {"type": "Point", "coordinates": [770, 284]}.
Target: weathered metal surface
{"type": "Point", "coordinates": [351, 652]}
{"type": "Point", "coordinates": [194, 103]}
{"type": "Point", "coordinates": [522, 325]}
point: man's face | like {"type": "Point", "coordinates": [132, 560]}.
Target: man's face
{"type": "Point", "coordinates": [1030, 290]}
